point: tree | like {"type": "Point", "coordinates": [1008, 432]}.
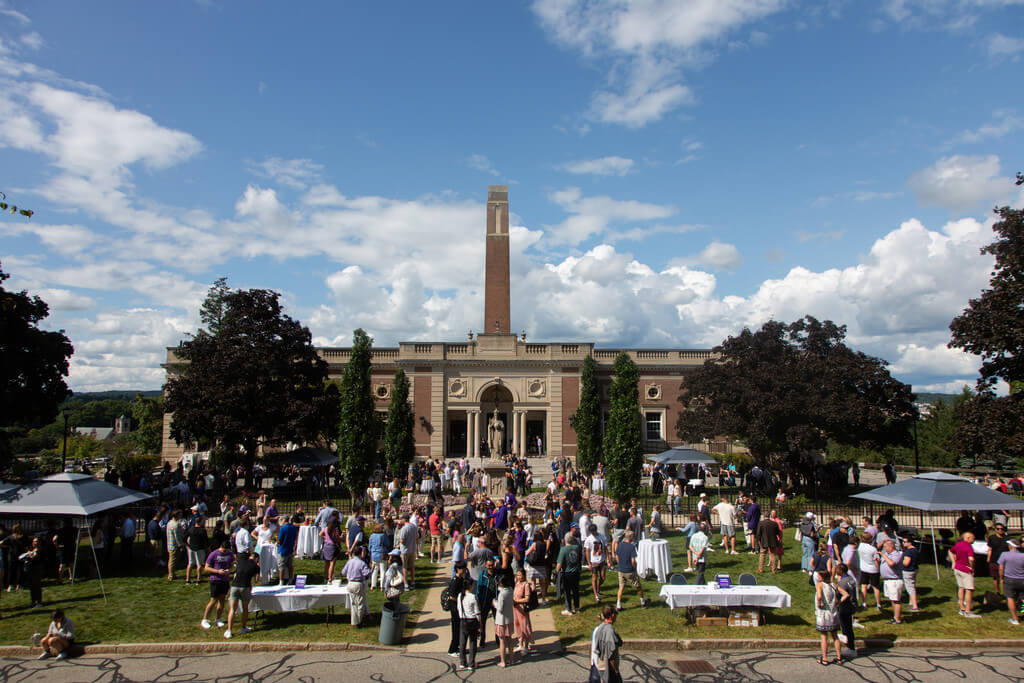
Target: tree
{"type": "Point", "coordinates": [992, 326]}
{"type": "Point", "coordinates": [257, 382]}
{"type": "Point", "coordinates": [399, 441]}
{"type": "Point", "coordinates": [622, 456]}
{"type": "Point", "coordinates": [214, 306]}
{"type": "Point", "coordinates": [787, 389]}
{"type": "Point", "coordinates": [148, 414]}
{"type": "Point", "coordinates": [357, 427]}
{"type": "Point", "coordinates": [586, 421]}
{"type": "Point", "coordinates": [33, 366]}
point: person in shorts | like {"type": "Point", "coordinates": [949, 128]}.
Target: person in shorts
{"type": "Point", "coordinates": [891, 573]}
{"type": "Point", "coordinates": [1011, 571]}
{"type": "Point", "coordinates": [595, 551]}
{"type": "Point", "coordinates": [620, 518]}
{"type": "Point", "coordinates": [218, 566]}
{"type": "Point", "coordinates": [911, 563]}
{"type": "Point", "coordinates": [625, 553]}
{"type": "Point", "coordinates": [241, 591]}
{"type": "Point", "coordinates": [961, 556]}
{"type": "Point", "coordinates": [997, 545]}
{"type": "Point", "coordinates": [196, 543]}
{"type": "Point", "coordinates": [868, 560]}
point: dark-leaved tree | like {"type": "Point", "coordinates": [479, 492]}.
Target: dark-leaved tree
{"type": "Point", "coordinates": [257, 381]}
{"type": "Point", "coordinates": [399, 440]}
{"type": "Point", "coordinates": [623, 460]}
{"type": "Point", "coordinates": [785, 390]}
{"type": "Point", "coordinates": [586, 421]}
{"type": "Point", "coordinates": [357, 426]}
{"type": "Point", "coordinates": [33, 365]}
{"type": "Point", "coordinates": [992, 326]}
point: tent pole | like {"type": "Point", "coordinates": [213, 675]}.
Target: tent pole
{"type": "Point", "coordinates": [74, 565]}
{"type": "Point", "coordinates": [935, 552]}
{"type": "Point", "coordinates": [99, 574]}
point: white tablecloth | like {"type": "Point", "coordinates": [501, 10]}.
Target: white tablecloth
{"type": "Point", "coordinates": [309, 542]}
{"type": "Point", "coordinates": [597, 484]}
{"type": "Point", "coordinates": [737, 596]}
{"type": "Point", "coordinates": [654, 556]}
{"type": "Point", "coordinates": [268, 562]}
{"type": "Point", "coordinates": [980, 547]}
{"type": "Point", "coordinates": [292, 599]}
{"type": "Point", "coordinates": [695, 483]}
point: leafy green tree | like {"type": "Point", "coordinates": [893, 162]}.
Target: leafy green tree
{"type": "Point", "coordinates": [623, 459]}
{"type": "Point", "coordinates": [148, 414]}
{"type": "Point", "coordinates": [257, 382]}
{"type": "Point", "coordinates": [786, 390]}
{"type": "Point", "coordinates": [357, 427]}
{"type": "Point", "coordinates": [399, 440]}
{"type": "Point", "coordinates": [33, 366]}
{"type": "Point", "coordinates": [215, 305]}
{"type": "Point", "coordinates": [992, 326]}
{"type": "Point", "coordinates": [586, 421]}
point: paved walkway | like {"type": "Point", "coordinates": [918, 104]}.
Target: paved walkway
{"type": "Point", "coordinates": [432, 632]}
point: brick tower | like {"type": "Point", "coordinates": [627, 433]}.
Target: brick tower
{"type": "Point", "coordinates": [497, 290]}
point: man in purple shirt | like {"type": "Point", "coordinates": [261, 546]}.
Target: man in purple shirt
{"type": "Point", "coordinates": [510, 499]}
{"type": "Point", "coordinates": [357, 572]}
{"type": "Point", "coordinates": [218, 566]}
{"type": "Point", "coordinates": [500, 517]}
{"type": "Point", "coordinates": [753, 519]}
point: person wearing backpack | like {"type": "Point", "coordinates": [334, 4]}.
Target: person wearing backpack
{"type": "Point", "coordinates": [449, 602]}
{"type": "Point", "coordinates": [469, 620]}
{"type": "Point", "coordinates": [808, 540]}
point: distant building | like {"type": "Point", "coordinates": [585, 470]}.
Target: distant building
{"type": "Point", "coordinates": [532, 389]}
{"type": "Point", "coordinates": [98, 433]}
{"type": "Point", "coordinates": [123, 425]}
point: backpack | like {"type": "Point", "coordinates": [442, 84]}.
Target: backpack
{"type": "Point", "coordinates": [534, 601]}
{"type": "Point", "coordinates": [447, 601]}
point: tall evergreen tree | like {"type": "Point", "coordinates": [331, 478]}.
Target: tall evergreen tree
{"type": "Point", "coordinates": [357, 428]}
{"type": "Point", "coordinates": [586, 421]}
{"type": "Point", "coordinates": [622, 456]}
{"type": "Point", "coordinates": [215, 305]}
{"type": "Point", "coordinates": [399, 442]}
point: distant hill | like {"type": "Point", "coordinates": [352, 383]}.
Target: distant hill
{"type": "Point", "coordinates": [935, 398]}
{"type": "Point", "coordinates": [88, 396]}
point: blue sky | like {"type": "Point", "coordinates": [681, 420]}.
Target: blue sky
{"type": "Point", "coordinates": [676, 170]}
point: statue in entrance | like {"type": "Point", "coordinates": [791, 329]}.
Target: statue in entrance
{"type": "Point", "coordinates": [495, 436]}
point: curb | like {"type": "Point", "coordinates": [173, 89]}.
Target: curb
{"type": "Point", "coordinates": [667, 644]}
{"type": "Point", "coordinates": [204, 648]}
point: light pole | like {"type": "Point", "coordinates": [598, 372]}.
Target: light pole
{"type": "Point", "coordinates": [64, 452]}
{"type": "Point", "coordinates": [917, 466]}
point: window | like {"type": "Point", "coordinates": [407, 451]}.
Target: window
{"type": "Point", "coordinates": [653, 426]}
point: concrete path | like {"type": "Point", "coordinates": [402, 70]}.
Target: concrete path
{"type": "Point", "coordinates": [992, 665]}
{"type": "Point", "coordinates": [432, 632]}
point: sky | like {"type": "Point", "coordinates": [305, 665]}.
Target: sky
{"type": "Point", "coordinates": [677, 170]}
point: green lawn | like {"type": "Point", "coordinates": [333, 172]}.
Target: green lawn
{"type": "Point", "coordinates": [937, 599]}
{"type": "Point", "coordinates": [149, 608]}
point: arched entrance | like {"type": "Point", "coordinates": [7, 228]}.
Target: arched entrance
{"type": "Point", "coordinates": [496, 403]}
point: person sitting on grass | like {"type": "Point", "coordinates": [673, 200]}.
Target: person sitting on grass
{"type": "Point", "coordinates": [59, 637]}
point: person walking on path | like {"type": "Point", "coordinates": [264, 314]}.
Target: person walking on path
{"type": "Point", "coordinates": [455, 589]}
{"type": "Point", "coordinates": [503, 621]}
{"type": "Point", "coordinates": [626, 555]}
{"type": "Point", "coordinates": [826, 616]}
{"type": "Point", "coordinates": [469, 621]}
{"type": "Point", "coordinates": [604, 649]}
{"type": "Point", "coordinates": [569, 564]}
{"type": "Point", "coordinates": [521, 602]}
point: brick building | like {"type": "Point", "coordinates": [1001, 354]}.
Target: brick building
{"type": "Point", "coordinates": [459, 388]}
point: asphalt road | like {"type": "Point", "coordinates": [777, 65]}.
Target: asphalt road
{"type": "Point", "coordinates": [652, 667]}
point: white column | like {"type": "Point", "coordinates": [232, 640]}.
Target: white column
{"type": "Point", "coordinates": [514, 434]}
{"type": "Point", "coordinates": [469, 433]}
{"type": "Point", "coordinates": [476, 433]}
{"type": "Point", "coordinates": [522, 434]}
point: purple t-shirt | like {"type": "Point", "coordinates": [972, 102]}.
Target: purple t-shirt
{"type": "Point", "coordinates": [219, 559]}
{"type": "Point", "coordinates": [1013, 563]}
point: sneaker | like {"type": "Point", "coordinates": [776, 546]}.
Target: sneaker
{"type": "Point", "coordinates": [915, 609]}
{"type": "Point", "coordinates": [643, 603]}
{"type": "Point", "coordinates": [244, 630]}
{"type": "Point", "coordinates": [878, 607]}
{"type": "Point", "coordinates": [228, 634]}
{"type": "Point", "coordinates": [36, 637]}
{"type": "Point", "coordinates": [45, 655]}
{"type": "Point", "coordinates": [894, 622]}
{"type": "Point", "coordinates": [221, 623]}
{"type": "Point", "coordinates": [453, 654]}
{"type": "Point", "coordinates": [972, 615]}
{"type": "Point", "coordinates": [857, 624]}
{"type": "Point", "coordinates": [205, 623]}
{"type": "Point", "coordinates": [962, 613]}
{"type": "Point", "coordinates": [463, 667]}
{"type": "Point", "coordinates": [619, 607]}
{"type": "Point", "coordinates": [733, 552]}
{"type": "Point", "coordinates": [688, 570]}
{"type": "Point", "coordinates": [1014, 621]}
{"type": "Point", "coordinates": [566, 613]}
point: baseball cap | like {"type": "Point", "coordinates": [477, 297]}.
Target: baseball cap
{"type": "Point", "coordinates": [244, 510]}
{"type": "Point", "coordinates": [810, 515]}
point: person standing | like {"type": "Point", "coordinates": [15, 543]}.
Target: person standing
{"type": "Point", "coordinates": [769, 540]}
{"type": "Point", "coordinates": [331, 548]}
{"type": "Point", "coordinates": [503, 621]}
{"type": "Point", "coordinates": [911, 559]}
{"type": "Point", "coordinates": [569, 563]}
{"type": "Point", "coordinates": [891, 566]}
{"type": "Point", "coordinates": [218, 566]}
{"type": "Point", "coordinates": [435, 522]}
{"type": "Point", "coordinates": [196, 543]}
{"type": "Point", "coordinates": [127, 541]}
{"type": "Point", "coordinates": [604, 649]}
{"type": "Point", "coordinates": [32, 567]}
{"type": "Point", "coordinates": [1011, 571]}
{"type": "Point", "coordinates": [486, 591]}
{"type": "Point", "coordinates": [753, 518]}
{"type": "Point", "coordinates": [408, 537]}
{"type": "Point", "coordinates": [698, 552]}
{"type": "Point", "coordinates": [626, 556]}
{"type": "Point", "coordinates": [175, 543]}
{"type": "Point", "coordinates": [726, 512]}
{"type": "Point", "coordinates": [997, 545]}
{"type": "Point", "coordinates": [379, 546]}
{"type": "Point", "coordinates": [595, 548]}
{"type": "Point", "coordinates": [826, 616]}
{"type": "Point", "coordinates": [455, 588]}
{"type": "Point", "coordinates": [287, 537]}
{"type": "Point", "coordinates": [961, 556]}
{"type": "Point", "coordinates": [469, 626]}
{"type": "Point", "coordinates": [358, 573]}
{"type": "Point", "coordinates": [521, 604]}
{"type": "Point", "coordinates": [847, 606]}
{"type": "Point", "coordinates": [869, 562]}
{"type": "Point", "coordinates": [808, 541]}
{"type": "Point", "coordinates": [240, 592]}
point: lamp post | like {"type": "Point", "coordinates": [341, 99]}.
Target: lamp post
{"type": "Point", "coordinates": [917, 466]}
{"type": "Point", "coordinates": [64, 452]}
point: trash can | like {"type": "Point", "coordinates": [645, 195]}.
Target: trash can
{"type": "Point", "coordinates": [392, 623]}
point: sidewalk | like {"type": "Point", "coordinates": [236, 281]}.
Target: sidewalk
{"type": "Point", "coordinates": [432, 632]}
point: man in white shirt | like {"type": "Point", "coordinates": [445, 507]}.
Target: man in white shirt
{"type": "Point", "coordinates": [699, 552]}
{"type": "Point", "coordinates": [243, 539]}
{"type": "Point", "coordinates": [726, 512]}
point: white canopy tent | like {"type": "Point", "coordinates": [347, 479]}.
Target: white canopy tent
{"type": "Point", "coordinates": [69, 494]}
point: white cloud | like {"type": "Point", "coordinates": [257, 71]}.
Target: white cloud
{"type": "Point", "coordinates": [960, 183]}
{"type": "Point", "coordinates": [604, 166]}
{"type": "Point", "coordinates": [61, 300]}
{"type": "Point", "coordinates": [15, 14]}
{"type": "Point", "coordinates": [1000, 46]}
{"type": "Point", "coordinates": [805, 236]}
{"type": "Point", "coordinates": [1003, 123]}
{"type": "Point", "coordinates": [951, 15]}
{"type": "Point", "coordinates": [32, 40]}
{"type": "Point", "coordinates": [650, 42]}
{"type": "Point", "coordinates": [592, 216]}
{"type": "Point", "coordinates": [931, 360]}
{"type": "Point", "coordinates": [482, 163]}
{"type": "Point", "coordinates": [294, 173]}
{"type": "Point", "coordinates": [720, 256]}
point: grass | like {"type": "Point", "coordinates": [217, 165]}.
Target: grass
{"type": "Point", "coordinates": [937, 599]}
{"type": "Point", "coordinates": [146, 607]}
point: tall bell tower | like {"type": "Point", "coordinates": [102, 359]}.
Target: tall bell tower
{"type": "Point", "coordinates": [497, 289]}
